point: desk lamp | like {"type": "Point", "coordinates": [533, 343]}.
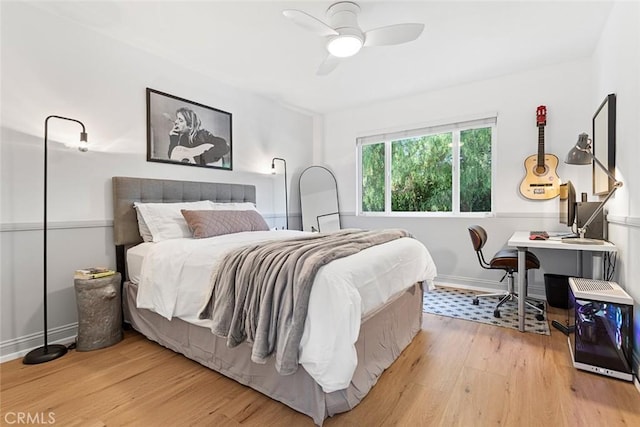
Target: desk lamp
{"type": "Point", "coordinates": [48, 351]}
{"type": "Point", "coordinates": [581, 154]}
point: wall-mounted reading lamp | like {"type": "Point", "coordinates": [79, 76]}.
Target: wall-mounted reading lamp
{"type": "Point", "coordinates": [48, 351]}
{"type": "Point", "coordinates": [286, 198]}
{"type": "Point", "coordinates": [581, 154]}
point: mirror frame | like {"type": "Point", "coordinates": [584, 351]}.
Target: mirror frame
{"type": "Point", "coordinates": [335, 181]}
{"type": "Point", "coordinates": [604, 144]}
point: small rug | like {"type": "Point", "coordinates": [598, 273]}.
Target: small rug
{"type": "Point", "coordinates": [458, 303]}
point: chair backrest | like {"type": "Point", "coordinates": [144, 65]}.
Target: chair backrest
{"type": "Point", "coordinates": [478, 237]}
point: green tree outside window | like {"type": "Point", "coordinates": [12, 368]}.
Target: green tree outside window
{"type": "Point", "coordinates": [423, 173]}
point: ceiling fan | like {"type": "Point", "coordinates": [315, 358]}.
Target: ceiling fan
{"type": "Point", "coordinates": [344, 36]}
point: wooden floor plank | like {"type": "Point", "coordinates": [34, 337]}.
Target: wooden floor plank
{"type": "Point", "coordinates": [454, 373]}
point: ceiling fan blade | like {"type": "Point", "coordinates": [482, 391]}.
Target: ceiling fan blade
{"type": "Point", "coordinates": [393, 34]}
{"type": "Point", "coordinates": [328, 65]}
{"type": "Point", "coordinates": [309, 22]}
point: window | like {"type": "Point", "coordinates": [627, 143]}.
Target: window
{"type": "Point", "coordinates": [445, 169]}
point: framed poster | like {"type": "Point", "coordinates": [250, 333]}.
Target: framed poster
{"type": "Point", "coordinates": [187, 133]}
{"type": "Point", "coordinates": [604, 144]}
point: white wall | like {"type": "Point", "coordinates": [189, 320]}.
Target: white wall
{"type": "Point", "coordinates": [572, 92]}
{"type": "Point", "coordinates": [564, 89]}
{"type": "Point", "coordinates": [617, 70]}
{"type": "Point", "coordinates": [53, 66]}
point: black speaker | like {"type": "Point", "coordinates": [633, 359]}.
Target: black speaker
{"type": "Point", "coordinates": [597, 228]}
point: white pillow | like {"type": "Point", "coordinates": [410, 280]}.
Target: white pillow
{"type": "Point", "coordinates": [142, 225]}
{"type": "Point", "coordinates": [164, 221]}
{"type": "Point", "coordinates": [234, 206]}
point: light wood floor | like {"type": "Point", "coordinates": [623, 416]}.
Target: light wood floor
{"type": "Point", "coordinates": [455, 373]}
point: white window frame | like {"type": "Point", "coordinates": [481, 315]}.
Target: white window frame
{"type": "Point", "coordinates": [455, 128]}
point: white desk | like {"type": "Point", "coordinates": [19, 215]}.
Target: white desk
{"type": "Point", "coordinates": [520, 240]}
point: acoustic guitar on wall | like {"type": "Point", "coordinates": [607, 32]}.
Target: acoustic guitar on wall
{"type": "Point", "coordinates": [542, 181]}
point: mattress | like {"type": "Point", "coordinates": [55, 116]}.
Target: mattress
{"type": "Point", "coordinates": [135, 257]}
{"type": "Point", "coordinates": [173, 281]}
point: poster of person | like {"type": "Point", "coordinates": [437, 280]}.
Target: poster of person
{"type": "Point", "coordinates": [186, 132]}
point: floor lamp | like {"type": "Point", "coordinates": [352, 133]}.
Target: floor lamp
{"type": "Point", "coordinates": [581, 154]}
{"type": "Point", "coordinates": [286, 198]}
{"type": "Point", "coordinates": [48, 351]}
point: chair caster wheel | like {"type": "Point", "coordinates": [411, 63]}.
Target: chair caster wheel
{"type": "Point", "coordinates": [496, 313]}
{"type": "Point", "coordinates": [539, 317]}
{"type": "Point", "coordinates": [476, 301]}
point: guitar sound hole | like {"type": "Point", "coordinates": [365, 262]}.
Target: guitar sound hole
{"type": "Point", "coordinates": [540, 170]}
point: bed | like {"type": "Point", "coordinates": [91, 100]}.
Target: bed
{"type": "Point", "coordinates": [388, 319]}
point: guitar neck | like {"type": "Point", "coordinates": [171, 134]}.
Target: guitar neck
{"type": "Point", "coordinates": [540, 145]}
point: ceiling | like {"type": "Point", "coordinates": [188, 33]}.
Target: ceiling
{"type": "Point", "coordinates": [251, 45]}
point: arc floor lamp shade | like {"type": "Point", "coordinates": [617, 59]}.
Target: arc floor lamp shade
{"type": "Point", "coordinates": [48, 351]}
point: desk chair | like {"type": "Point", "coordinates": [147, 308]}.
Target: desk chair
{"type": "Point", "coordinates": [507, 260]}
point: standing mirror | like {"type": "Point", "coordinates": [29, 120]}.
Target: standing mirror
{"type": "Point", "coordinates": [319, 200]}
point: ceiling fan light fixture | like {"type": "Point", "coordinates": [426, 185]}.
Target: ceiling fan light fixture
{"type": "Point", "coordinates": [345, 38]}
{"type": "Point", "coordinates": [344, 45]}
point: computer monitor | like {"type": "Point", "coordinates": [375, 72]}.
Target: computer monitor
{"type": "Point", "coordinates": [567, 203]}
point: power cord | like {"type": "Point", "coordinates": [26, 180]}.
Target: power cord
{"type": "Point", "coordinates": [609, 265]}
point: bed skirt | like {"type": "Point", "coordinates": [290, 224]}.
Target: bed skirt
{"type": "Point", "coordinates": [383, 336]}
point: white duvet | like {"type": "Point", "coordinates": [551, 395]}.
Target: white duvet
{"type": "Point", "coordinates": [174, 281]}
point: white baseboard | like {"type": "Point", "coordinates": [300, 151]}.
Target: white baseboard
{"type": "Point", "coordinates": [458, 285]}
{"type": "Point", "coordinates": [637, 383]}
{"type": "Point", "coordinates": [482, 285]}
{"type": "Point", "coordinates": [18, 347]}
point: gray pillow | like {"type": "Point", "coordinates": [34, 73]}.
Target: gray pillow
{"type": "Point", "coordinates": [217, 222]}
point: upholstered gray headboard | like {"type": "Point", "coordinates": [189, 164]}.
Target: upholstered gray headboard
{"type": "Point", "coordinates": [127, 190]}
